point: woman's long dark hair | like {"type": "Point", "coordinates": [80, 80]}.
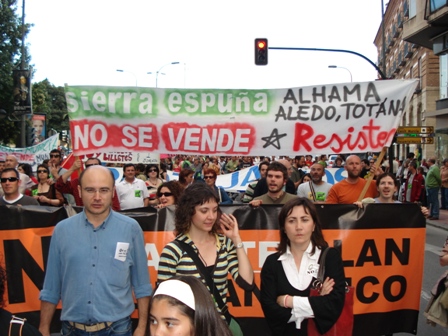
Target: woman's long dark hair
{"type": "Point", "coordinates": [317, 238]}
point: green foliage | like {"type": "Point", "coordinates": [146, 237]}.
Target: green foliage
{"type": "Point", "coordinates": [10, 57]}
{"type": "Point", "coordinates": [50, 100]}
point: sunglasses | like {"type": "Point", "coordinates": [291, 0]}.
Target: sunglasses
{"type": "Point", "coordinates": [166, 194]}
{"type": "Point", "coordinates": [54, 155]}
{"type": "Point", "coordinates": [42, 171]}
{"type": "Point", "coordinates": [10, 179]}
{"type": "Point", "coordinates": [93, 164]}
{"type": "Point", "coordinates": [152, 170]}
{"type": "Point", "coordinates": [208, 177]}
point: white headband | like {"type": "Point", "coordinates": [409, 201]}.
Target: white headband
{"type": "Point", "coordinates": [178, 290]}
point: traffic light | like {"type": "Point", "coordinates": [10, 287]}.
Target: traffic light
{"type": "Point", "coordinates": [30, 136]}
{"type": "Point", "coordinates": [261, 51]}
{"type": "Point", "coordinates": [64, 136]}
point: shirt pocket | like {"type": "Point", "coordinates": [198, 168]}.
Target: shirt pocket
{"type": "Point", "coordinates": [120, 273]}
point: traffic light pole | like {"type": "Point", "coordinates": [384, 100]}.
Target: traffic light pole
{"type": "Point", "coordinates": [383, 76]}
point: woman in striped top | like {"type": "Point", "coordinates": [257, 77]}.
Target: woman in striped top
{"type": "Point", "coordinates": [215, 239]}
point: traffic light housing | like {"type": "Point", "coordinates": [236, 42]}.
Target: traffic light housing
{"type": "Point", "coordinates": [30, 136]}
{"type": "Point", "coordinates": [261, 51]}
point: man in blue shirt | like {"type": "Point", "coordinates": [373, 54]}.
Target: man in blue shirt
{"type": "Point", "coordinates": [96, 259]}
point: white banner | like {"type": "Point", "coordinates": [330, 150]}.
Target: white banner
{"type": "Point", "coordinates": [322, 119]}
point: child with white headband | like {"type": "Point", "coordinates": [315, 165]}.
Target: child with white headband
{"type": "Point", "coordinates": [183, 306]}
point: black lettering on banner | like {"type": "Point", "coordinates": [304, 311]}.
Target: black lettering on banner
{"type": "Point", "coordinates": [232, 295]}
{"type": "Point", "coordinates": [369, 253]}
{"type": "Point", "coordinates": [393, 249]}
{"type": "Point", "coordinates": [18, 259]}
{"type": "Point", "coordinates": [388, 285]}
{"type": "Point", "coordinates": [360, 290]}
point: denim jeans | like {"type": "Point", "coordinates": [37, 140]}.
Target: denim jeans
{"type": "Point", "coordinates": [121, 327]}
{"type": "Point", "coordinates": [433, 201]}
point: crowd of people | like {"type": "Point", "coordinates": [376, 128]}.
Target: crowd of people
{"type": "Point", "coordinates": [97, 262]}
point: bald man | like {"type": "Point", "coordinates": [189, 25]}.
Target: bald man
{"type": "Point", "coordinates": [25, 181]}
{"type": "Point", "coordinates": [97, 259]}
{"type": "Point", "coordinates": [349, 189]}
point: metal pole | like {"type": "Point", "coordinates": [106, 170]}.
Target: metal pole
{"type": "Point", "coordinates": [335, 50]}
{"type": "Point", "coordinates": [22, 67]}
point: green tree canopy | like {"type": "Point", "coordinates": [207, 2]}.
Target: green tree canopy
{"type": "Point", "coordinates": [10, 59]}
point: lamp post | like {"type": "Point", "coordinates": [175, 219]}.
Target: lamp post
{"type": "Point", "coordinates": [158, 71]}
{"type": "Point", "coordinates": [335, 67]}
{"type": "Point", "coordinates": [120, 70]}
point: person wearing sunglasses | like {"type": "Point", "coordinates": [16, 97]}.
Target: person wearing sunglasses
{"type": "Point", "coordinates": [210, 180]}
{"type": "Point", "coordinates": [55, 164]}
{"type": "Point", "coordinates": [67, 186]}
{"type": "Point", "coordinates": [153, 182]}
{"type": "Point", "coordinates": [25, 181]}
{"type": "Point", "coordinates": [168, 193]}
{"type": "Point", "coordinates": [10, 182]}
{"type": "Point", "coordinates": [45, 193]}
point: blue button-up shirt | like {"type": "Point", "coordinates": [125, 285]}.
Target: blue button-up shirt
{"type": "Point", "coordinates": [90, 270]}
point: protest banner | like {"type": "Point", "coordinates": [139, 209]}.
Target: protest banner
{"type": "Point", "coordinates": [33, 155]}
{"type": "Point", "coordinates": [381, 246]}
{"type": "Point", "coordinates": [335, 118]}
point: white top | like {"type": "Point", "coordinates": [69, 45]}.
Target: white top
{"type": "Point", "coordinates": [301, 279]}
{"type": "Point", "coordinates": [131, 195]}
{"type": "Point", "coordinates": [321, 191]}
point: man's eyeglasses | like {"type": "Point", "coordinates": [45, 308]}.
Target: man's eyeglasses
{"type": "Point", "coordinates": [55, 155]}
{"type": "Point", "coordinates": [102, 191]}
{"type": "Point", "coordinates": [40, 171]}
{"type": "Point", "coordinates": [152, 170]}
{"type": "Point", "coordinates": [209, 177]}
{"type": "Point", "coordinates": [10, 179]}
{"type": "Point", "coordinates": [166, 194]}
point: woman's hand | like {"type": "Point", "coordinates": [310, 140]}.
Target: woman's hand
{"type": "Point", "coordinates": [327, 286]}
{"type": "Point", "coordinates": [229, 227]}
{"type": "Point", "coordinates": [359, 204]}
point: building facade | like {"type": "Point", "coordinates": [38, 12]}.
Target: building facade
{"type": "Point", "coordinates": [401, 58]}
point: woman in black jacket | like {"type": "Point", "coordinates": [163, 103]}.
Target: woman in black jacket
{"type": "Point", "coordinates": [287, 276]}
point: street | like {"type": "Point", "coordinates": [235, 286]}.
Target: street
{"type": "Point", "coordinates": [435, 237]}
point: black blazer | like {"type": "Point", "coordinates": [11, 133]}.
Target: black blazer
{"type": "Point", "coordinates": [326, 308]}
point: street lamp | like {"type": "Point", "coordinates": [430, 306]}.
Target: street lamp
{"type": "Point", "coordinates": [120, 70]}
{"type": "Point", "coordinates": [158, 72]}
{"type": "Point", "coordinates": [335, 66]}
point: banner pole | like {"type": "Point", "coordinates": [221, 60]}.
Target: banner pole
{"type": "Point", "coordinates": [370, 178]}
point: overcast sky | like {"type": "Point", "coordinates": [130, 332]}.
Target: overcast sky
{"type": "Point", "coordinates": [84, 42]}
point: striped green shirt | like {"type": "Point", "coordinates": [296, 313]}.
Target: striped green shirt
{"type": "Point", "coordinates": [174, 261]}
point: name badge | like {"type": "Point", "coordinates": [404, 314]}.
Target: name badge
{"type": "Point", "coordinates": [313, 269]}
{"type": "Point", "coordinates": [121, 251]}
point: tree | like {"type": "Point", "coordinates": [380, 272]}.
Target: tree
{"type": "Point", "coordinates": [10, 59]}
{"type": "Point", "coordinates": [50, 100]}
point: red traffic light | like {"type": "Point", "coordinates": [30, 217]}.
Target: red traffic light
{"type": "Point", "coordinates": [261, 51]}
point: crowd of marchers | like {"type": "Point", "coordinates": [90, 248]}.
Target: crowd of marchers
{"type": "Point", "coordinates": [97, 262]}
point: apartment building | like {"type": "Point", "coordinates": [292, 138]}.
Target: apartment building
{"type": "Point", "coordinates": [403, 57]}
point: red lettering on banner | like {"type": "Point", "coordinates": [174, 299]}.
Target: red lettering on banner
{"type": "Point", "coordinates": [223, 138]}
{"type": "Point", "coordinates": [95, 135]}
{"type": "Point", "coordinates": [369, 136]}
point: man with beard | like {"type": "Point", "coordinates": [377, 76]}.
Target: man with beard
{"type": "Point", "coordinates": [276, 177]}
{"type": "Point", "coordinates": [316, 190]}
{"type": "Point", "coordinates": [348, 190]}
